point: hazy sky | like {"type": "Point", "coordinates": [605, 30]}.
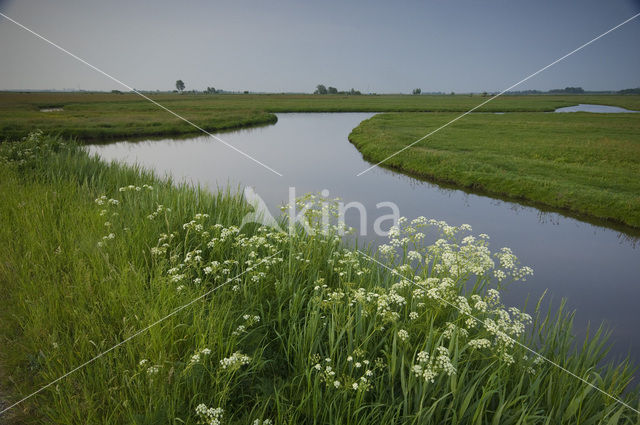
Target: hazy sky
{"type": "Point", "coordinates": [373, 46]}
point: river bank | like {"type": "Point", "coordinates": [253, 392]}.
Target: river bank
{"type": "Point", "coordinates": [297, 334]}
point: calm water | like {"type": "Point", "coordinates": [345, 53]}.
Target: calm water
{"type": "Point", "coordinates": [596, 268]}
{"type": "Point", "coordinates": [600, 109]}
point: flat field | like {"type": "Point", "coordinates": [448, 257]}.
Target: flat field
{"type": "Point", "coordinates": [105, 116]}
{"type": "Point", "coordinates": [582, 162]}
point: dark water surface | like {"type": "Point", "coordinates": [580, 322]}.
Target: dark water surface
{"type": "Point", "coordinates": [596, 268]}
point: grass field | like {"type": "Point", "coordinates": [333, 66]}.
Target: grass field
{"type": "Point", "coordinates": [104, 116]}
{"type": "Point", "coordinates": [584, 163]}
{"type": "Point", "coordinates": [304, 330]}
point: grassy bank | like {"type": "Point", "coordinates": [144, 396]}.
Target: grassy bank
{"type": "Point", "coordinates": [299, 330]}
{"type": "Point", "coordinates": [104, 116]}
{"type": "Point", "coordinates": [584, 163]}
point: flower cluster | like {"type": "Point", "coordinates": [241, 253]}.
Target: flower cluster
{"type": "Point", "coordinates": [198, 356]}
{"type": "Point", "coordinates": [428, 367]}
{"type": "Point", "coordinates": [132, 188]}
{"type": "Point", "coordinates": [249, 321]}
{"type": "Point", "coordinates": [318, 214]}
{"type": "Point", "coordinates": [235, 361]}
{"type": "Point", "coordinates": [160, 209]}
{"type": "Point", "coordinates": [209, 415]}
{"type": "Point", "coordinates": [403, 335]}
{"type": "Point", "coordinates": [103, 200]}
{"type": "Point", "coordinates": [356, 374]}
{"type": "Point", "coordinates": [31, 150]}
{"type": "Point", "coordinates": [149, 368]}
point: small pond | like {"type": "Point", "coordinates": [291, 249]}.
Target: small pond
{"type": "Point", "coordinates": [599, 109]}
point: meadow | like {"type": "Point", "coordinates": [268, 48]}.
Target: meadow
{"type": "Point", "coordinates": [105, 116]}
{"type": "Point", "coordinates": [265, 327]}
{"type": "Point", "coordinates": [584, 163]}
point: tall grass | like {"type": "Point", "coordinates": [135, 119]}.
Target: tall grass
{"type": "Point", "coordinates": [303, 330]}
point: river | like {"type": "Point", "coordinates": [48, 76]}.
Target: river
{"type": "Point", "coordinates": [596, 268]}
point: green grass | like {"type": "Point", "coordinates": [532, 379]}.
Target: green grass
{"type": "Point", "coordinates": [108, 117]}
{"type": "Point", "coordinates": [584, 163]}
{"type": "Point", "coordinates": [70, 293]}
{"type": "Point", "coordinates": [101, 116]}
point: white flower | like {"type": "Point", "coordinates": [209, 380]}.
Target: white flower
{"type": "Point", "coordinates": [197, 356]}
{"type": "Point", "coordinates": [403, 334]}
{"type": "Point", "coordinates": [336, 384]}
{"type": "Point", "coordinates": [209, 416]}
{"type": "Point", "coordinates": [354, 386]}
{"type": "Point", "coordinates": [480, 343]}
{"type": "Point", "coordinates": [423, 357]}
{"type": "Point", "coordinates": [237, 359]}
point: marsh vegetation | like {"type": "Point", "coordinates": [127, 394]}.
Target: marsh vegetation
{"type": "Point", "coordinates": [290, 328]}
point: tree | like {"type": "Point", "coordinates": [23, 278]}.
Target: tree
{"type": "Point", "coordinates": [332, 90]}
{"type": "Point", "coordinates": [320, 89]}
{"type": "Point", "coordinates": [571, 90]}
{"type": "Point", "coordinates": [180, 85]}
{"type": "Point", "coordinates": [417, 91]}
{"type": "Point", "coordinates": [211, 90]}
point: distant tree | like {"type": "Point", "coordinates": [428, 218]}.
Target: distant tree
{"type": "Point", "coordinates": [180, 85]}
{"type": "Point", "coordinates": [211, 90]}
{"type": "Point", "coordinates": [484, 94]}
{"type": "Point", "coordinates": [630, 91]}
{"type": "Point", "coordinates": [577, 90]}
{"type": "Point", "coordinates": [416, 91]}
{"type": "Point", "coordinates": [570, 90]}
{"type": "Point", "coordinates": [332, 90]}
{"type": "Point", "coordinates": [320, 89]}
{"type": "Point", "coordinates": [452, 93]}
{"type": "Point", "coordinates": [352, 91]}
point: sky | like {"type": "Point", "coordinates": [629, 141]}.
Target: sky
{"type": "Point", "coordinates": [291, 46]}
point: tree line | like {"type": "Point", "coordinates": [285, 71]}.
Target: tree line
{"type": "Point", "coordinates": [322, 89]}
